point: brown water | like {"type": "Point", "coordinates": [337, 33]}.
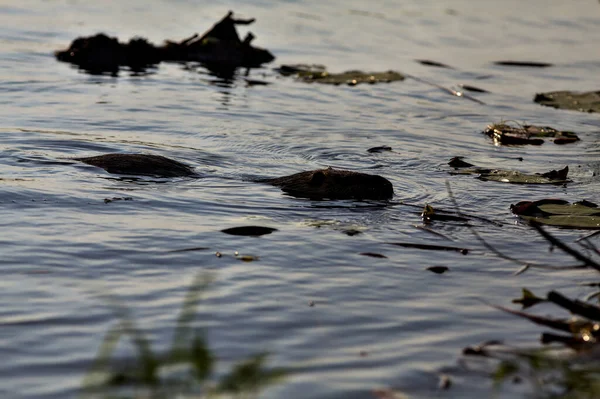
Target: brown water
{"type": "Point", "coordinates": [62, 245]}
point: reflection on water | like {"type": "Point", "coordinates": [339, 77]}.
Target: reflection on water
{"type": "Point", "coordinates": [345, 323]}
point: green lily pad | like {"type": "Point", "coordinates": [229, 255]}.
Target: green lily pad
{"type": "Point", "coordinates": [559, 213]}
{"type": "Point", "coordinates": [583, 102]}
{"type": "Point", "coordinates": [508, 176]}
{"type": "Point", "coordinates": [319, 74]}
{"type": "Point", "coordinates": [506, 134]}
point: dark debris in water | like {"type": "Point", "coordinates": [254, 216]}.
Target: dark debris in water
{"type": "Point", "coordinates": [438, 269]}
{"type": "Point", "coordinates": [252, 231]}
{"type": "Point", "coordinates": [382, 148]}
{"type": "Point", "coordinates": [113, 199]}
{"type": "Point", "coordinates": [319, 74]}
{"type": "Point", "coordinates": [577, 101]}
{"type": "Point", "coordinates": [373, 255]}
{"type": "Point", "coordinates": [430, 247]}
{"type": "Point", "coordinates": [433, 64]}
{"type": "Point", "coordinates": [505, 134]}
{"type": "Point", "coordinates": [472, 88]}
{"type": "Point", "coordinates": [526, 64]}
{"type": "Point", "coordinates": [220, 48]}
{"type": "Point", "coordinates": [509, 176]}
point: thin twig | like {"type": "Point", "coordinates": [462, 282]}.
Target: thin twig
{"type": "Point", "coordinates": [526, 265]}
{"type": "Point", "coordinates": [561, 245]}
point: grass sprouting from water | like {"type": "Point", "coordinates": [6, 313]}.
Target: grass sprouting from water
{"type": "Point", "coordinates": [186, 370]}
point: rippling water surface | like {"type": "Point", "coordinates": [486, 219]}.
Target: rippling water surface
{"type": "Point", "coordinates": [62, 245]}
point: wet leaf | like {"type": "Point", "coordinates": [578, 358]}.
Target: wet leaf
{"type": "Point", "coordinates": [438, 269]}
{"type": "Point", "coordinates": [509, 176]}
{"type": "Point", "coordinates": [252, 231]}
{"type": "Point", "coordinates": [583, 102]}
{"type": "Point", "coordinates": [559, 213]}
{"type": "Point", "coordinates": [528, 299]}
{"type": "Point", "coordinates": [318, 73]}
{"type": "Point", "coordinates": [515, 177]}
{"type": "Point", "coordinates": [506, 134]}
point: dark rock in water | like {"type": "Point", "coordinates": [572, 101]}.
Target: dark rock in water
{"type": "Point", "coordinates": [529, 64]}
{"type": "Point", "coordinates": [583, 102]}
{"type": "Point", "coordinates": [334, 184]}
{"type": "Point", "coordinates": [318, 73]}
{"type": "Point", "coordinates": [139, 164]}
{"type": "Point", "coordinates": [457, 162]}
{"type": "Point", "coordinates": [503, 133]}
{"type": "Point", "coordinates": [220, 47]}
{"type": "Point", "coordinates": [251, 231]}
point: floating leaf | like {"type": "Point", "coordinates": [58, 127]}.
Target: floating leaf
{"type": "Point", "coordinates": [318, 73]}
{"type": "Point", "coordinates": [583, 102]}
{"type": "Point", "coordinates": [253, 231]}
{"type": "Point", "coordinates": [528, 299]}
{"type": "Point", "coordinates": [509, 176]}
{"type": "Point", "coordinates": [560, 213]}
{"type": "Point", "coordinates": [503, 133]}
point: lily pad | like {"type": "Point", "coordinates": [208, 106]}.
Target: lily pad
{"type": "Point", "coordinates": [559, 213]}
{"type": "Point", "coordinates": [506, 134]}
{"type": "Point", "coordinates": [577, 101]}
{"type": "Point", "coordinates": [509, 176]}
{"type": "Point", "coordinates": [318, 73]}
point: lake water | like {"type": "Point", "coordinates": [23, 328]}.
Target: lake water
{"type": "Point", "coordinates": [376, 322]}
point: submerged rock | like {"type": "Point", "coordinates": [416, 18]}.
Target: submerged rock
{"type": "Point", "coordinates": [319, 74]}
{"type": "Point", "coordinates": [583, 102]}
{"type": "Point", "coordinates": [220, 47]}
{"type": "Point", "coordinates": [317, 184]}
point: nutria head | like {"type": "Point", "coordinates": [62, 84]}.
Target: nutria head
{"type": "Point", "coordinates": [335, 184]}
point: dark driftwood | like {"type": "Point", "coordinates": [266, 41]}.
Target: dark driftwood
{"type": "Point", "coordinates": [220, 47]}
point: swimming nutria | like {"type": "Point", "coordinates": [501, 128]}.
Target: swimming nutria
{"type": "Point", "coordinates": [334, 184]}
{"type": "Point", "coordinates": [139, 164]}
{"type": "Point", "coordinates": [316, 184]}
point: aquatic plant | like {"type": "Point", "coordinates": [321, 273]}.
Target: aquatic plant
{"type": "Point", "coordinates": [186, 369]}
